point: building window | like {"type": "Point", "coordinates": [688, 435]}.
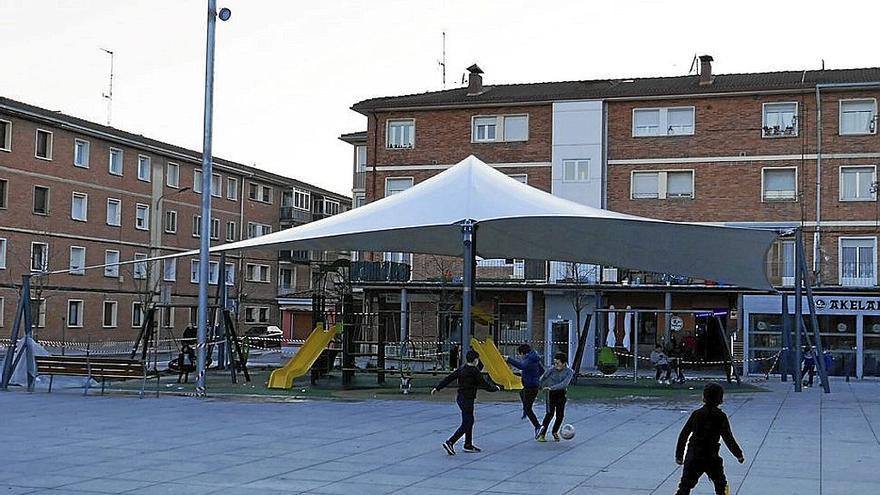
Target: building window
{"type": "Point", "coordinates": [171, 222]}
{"type": "Point", "coordinates": [115, 161]}
{"type": "Point", "coordinates": [3, 244]}
{"type": "Point", "coordinates": [137, 314]}
{"type": "Point", "coordinates": [257, 273]}
{"type": "Point", "coordinates": [497, 128]}
{"type": "Point", "coordinates": [81, 153]}
{"type": "Point", "coordinates": [302, 199]}
{"type": "Point", "coordinates": [197, 181]}
{"type": "Point", "coordinates": [114, 212]}
{"type": "Point", "coordinates": [167, 317]}
{"type": "Point", "coordinates": [169, 269]}
{"type": "Point", "coordinates": [858, 183]}
{"type": "Point", "coordinates": [523, 178]}
{"type": "Point", "coordinates": [142, 217]}
{"type": "Point", "coordinates": [330, 207]}
{"type": "Point", "coordinates": [259, 192]}
{"type": "Point", "coordinates": [484, 129]}
{"type": "Point", "coordinates": [140, 267]}
{"type": "Point", "coordinates": [286, 278]}
{"type": "Point", "coordinates": [172, 175]}
{"type": "Point", "coordinates": [2, 310]}
{"type": "Point", "coordinates": [77, 260]}
{"type": "Point", "coordinates": [38, 308]}
{"type": "Point", "coordinates": [41, 200]}
{"type": "Point", "coordinates": [779, 184]}
{"type": "Point", "coordinates": [197, 226]}
{"type": "Point", "coordinates": [5, 135]}
{"type": "Point", "coordinates": [216, 185]}
{"type": "Point", "coordinates": [144, 168]}
{"type": "Point", "coordinates": [111, 263]}
{"type": "Point", "coordinates": [858, 259]}
{"type": "Point", "coordinates": [229, 274]}
{"type": "Point", "coordinates": [780, 120]}
{"type": "Point", "coordinates": [4, 193]}
{"type": "Point", "coordinates": [400, 134]}
{"type": "Point", "coordinates": [258, 229]}
{"type": "Point", "coordinates": [516, 128]}
{"type": "Point", "coordinates": [673, 121]}
{"type": "Point", "coordinates": [43, 145]}
{"type": "Point", "coordinates": [74, 313]}
{"type": "Point", "coordinates": [396, 185]}
{"type": "Point", "coordinates": [663, 184]}
{"type": "Point", "coordinates": [405, 258]}
{"type": "Point", "coordinates": [256, 314]}
{"type": "Point", "coordinates": [232, 189]}
{"type": "Point", "coordinates": [215, 228]}
{"type": "Point", "coordinates": [575, 170]}
{"type": "Point", "coordinates": [231, 233]}
{"type": "Point", "coordinates": [213, 272]}
{"type": "Point", "coordinates": [39, 256]}
{"type": "Point", "coordinates": [858, 116]}
{"type": "Point", "coordinates": [360, 153]}
{"type": "Point", "coordinates": [109, 320]}
{"type": "Point", "coordinates": [79, 207]}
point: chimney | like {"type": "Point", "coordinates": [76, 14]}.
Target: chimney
{"type": "Point", "coordinates": [706, 77]}
{"type": "Point", "coordinates": [475, 80]}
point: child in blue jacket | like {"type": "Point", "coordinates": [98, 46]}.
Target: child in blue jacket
{"type": "Point", "coordinates": [530, 364]}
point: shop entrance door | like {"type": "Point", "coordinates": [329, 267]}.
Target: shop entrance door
{"type": "Point", "coordinates": [557, 339]}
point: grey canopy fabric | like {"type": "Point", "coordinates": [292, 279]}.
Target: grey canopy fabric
{"type": "Point", "coordinates": [514, 220]}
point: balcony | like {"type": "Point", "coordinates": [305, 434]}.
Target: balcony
{"type": "Point", "coordinates": [359, 181]}
{"type": "Point", "coordinates": [292, 256]}
{"type": "Point", "coordinates": [499, 270]}
{"type": "Point", "coordinates": [379, 271]}
{"type": "Point", "coordinates": [295, 215]}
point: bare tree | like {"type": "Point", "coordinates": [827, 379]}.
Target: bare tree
{"type": "Point", "coordinates": [578, 275]}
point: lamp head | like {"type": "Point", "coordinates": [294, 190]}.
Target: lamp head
{"type": "Point", "coordinates": [224, 14]}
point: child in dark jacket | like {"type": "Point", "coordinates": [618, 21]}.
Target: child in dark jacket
{"type": "Point", "coordinates": [702, 432]}
{"type": "Point", "coordinates": [469, 380]}
{"type": "Point", "coordinates": [555, 381]}
{"type": "Point", "coordinates": [530, 364]}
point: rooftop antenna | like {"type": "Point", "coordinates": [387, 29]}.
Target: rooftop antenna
{"type": "Point", "coordinates": [823, 64]}
{"type": "Point", "coordinates": [693, 64]}
{"type": "Point", "coordinates": [442, 61]}
{"type": "Point", "coordinates": [109, 94]}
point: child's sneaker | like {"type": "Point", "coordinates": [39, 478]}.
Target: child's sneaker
{"type": "Point", "coordinates": [472, 448]}
{"type": "Point", "coordinates": [449, 448]}
{"type": "Point", "coordinates": [542, 437]}
{"type": "Point", "coordinates": [537, 432]}
{"type": "Point", "coordinates": [556, 437]}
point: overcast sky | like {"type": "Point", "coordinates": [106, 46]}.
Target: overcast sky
{"type": "Point", "coordinates": [288, 71]}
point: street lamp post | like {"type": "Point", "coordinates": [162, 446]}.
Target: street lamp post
{"type": "Point", "coordinates": [207, 170]}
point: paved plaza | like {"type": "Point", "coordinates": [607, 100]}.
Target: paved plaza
{"type": "Point", "coordinates": [802, 444]}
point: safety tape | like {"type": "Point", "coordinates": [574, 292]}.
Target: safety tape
{"type": "Point", "coordinates": [750, 360]}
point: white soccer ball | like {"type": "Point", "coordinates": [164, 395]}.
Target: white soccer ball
{"type": "Point", "coordinates": [567, 431]}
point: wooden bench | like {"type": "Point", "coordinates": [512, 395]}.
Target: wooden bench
{"type": "Point", "coordinates": [96, 368]}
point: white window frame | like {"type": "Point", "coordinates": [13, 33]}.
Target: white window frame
{"type": "Point", "coordinates": [857, 199]}
{"type": "Point", "coordinates": [300, 193]}
{"type": "Point", "coordinates": [110, 161]}
{"type": "Point", "coordinates": [500, 134]}
{"type": "Point", "coordinates": [137, 314]}
{"type": "Point", "coordinates": [215, 229]}
{"type": "Point", "coordinates": [522, 178]}
{"type": "Point", "coordinates": [136, 271]}
{"type": "Point", "coordinates": [281, 271]}
{"type": "Point", "coordinates": [663, 121]}
{"type": "Point", "coordinates": [197, 226]}
{"type": "Point", "coordinates": [663, 183]}
{"type": "Point", "coordinates": [114, 314]}
{"type": "Point", "coordinates": [4, 194]}
{"type": "Point", "coordinates": [137, 209]}
{"type": "Point", "coordinates": [149, 161]}
{"type": "Point", "coordinates": [169, 175]}
{"type": "Point", "coordinates": [216, 192]}
{"type": "Point", "coordinates": [475, 127]}
{"type": "Point", "coordinates": [81, 270]}
{"type": "Point", "coordinates": [44, 261]}
{"type": "Point", "coordinates": [40, 313]}
{"type": "Point", "coordinates": [50, 143]}
{"type": "Point", "coordinates": [169, 275]}
{"type": "Point", "coordinates": [85, 202]}
{"type": "Point", "coordinates": [411, 179]}
{"type": "Point", "coordinates": [263, 268]}
{"type": "Point", "coordinates": [229, 274]}
{"type": "Point", "coordinates": [260, 189]}
{"type": "Point", "coordinates": [794, 198]}
{"type": "Point", "coordinates": [232, 188]}
{"type": "Point", "coordinates": [170, 227]}
{"type": "Point", "coordinates": [7, 135]}
{"type": "Point", "coordinates": [111, 270]}
{"type": "Point", "coordinates": [840, 104]}
{"type": "Point", "coordinates": [117, 220]}
{"type": "Point", "coordinates": [81, 313]}
{"type": "Point", "coordinates": [213, 272]}
{"type": "Point", "coordinates": [576, 162]}
{"type": "Point", "coordinates": [326, 209]}
{"type": "Point", "coordinates": [198, 179]}
{"type": "Point", "coordinates": [264, 229]}
{"type": "Point", "coordinates": [857, 281]}
{"type": "Point", "coordinates": [2, 311]}
{"type": "Point", "coordinates": [3, 246]}
{"type": "Point", "coordinates": [231, 228]}
{"type": "Point", "coordinates": [77, 142]}
{"type": "Point", "coordinates": [782, 133]}
{"type": "Point", "coordinates": [388, 124]}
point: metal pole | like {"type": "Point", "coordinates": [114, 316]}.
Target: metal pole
{"type": "Point", "coordinates": [635, 331]}
{"type": "Point", "coordinates": [798, 306]}
{"type": "Point", "coordinates": [207, 169]}
{"type": "Point", "coordinates": [13, 339]}
{"type": "Point", "coordinates": [785, 347]}
{"type": "Point", "coordinates": [819, 354]}
{"type": "Point", "coordinates": [404, 316]}
{"type": "Point", "coordinates": [530, 313]}
{"type": "Point", "coordinates": [467, 233]}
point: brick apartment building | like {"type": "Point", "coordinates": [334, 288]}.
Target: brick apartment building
{"type": "Point", "coordinates": [727, 149]}
{"type": "Point", "coordinates": [75, 194]}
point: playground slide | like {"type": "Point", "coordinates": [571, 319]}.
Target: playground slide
{"type": "Point", "coordinates": [494, 363]}
{"type": "Point", "coordinates": [300, 364]}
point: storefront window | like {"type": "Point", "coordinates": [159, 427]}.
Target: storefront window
{"type": "Point", "coordinates": [839, 336]}
{"type": "Point", "coordinates": [871, 345]}
{"type": "Point", "coordinates": [765, 341]}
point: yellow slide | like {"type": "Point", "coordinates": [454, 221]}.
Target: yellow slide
{"type": "Point", "coordinates": [300, 364]}
{"type": "Point", "coordinates": [494, 363]}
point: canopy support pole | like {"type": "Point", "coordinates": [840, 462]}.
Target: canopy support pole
{"type": "Point", "coordinates": [22, 319]}
{"type": "Point", "coordinates": [467, 296]}
{"type": "Point", "coordinates": [798, 309]}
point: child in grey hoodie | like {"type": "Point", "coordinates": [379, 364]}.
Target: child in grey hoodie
{"type": "Point", "coordinates": [555, 380]}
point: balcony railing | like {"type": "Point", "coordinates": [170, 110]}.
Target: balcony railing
{"type": "Point", "coordinates": [359, 181]}
{"type": "Point", "coordinates": [294, 256]}
{"type": "Point", "coordinates": [295, 215]}
{"type": "Point", "coordinates": [379, 271]}
{"type": "Point", "coordinates": [500, 270]}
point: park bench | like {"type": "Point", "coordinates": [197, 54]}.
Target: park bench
{"type": "Point", "coordinates": [96, 368]}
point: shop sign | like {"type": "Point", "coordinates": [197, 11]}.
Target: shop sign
{"type": "Point", "coordinates": [847, 305]}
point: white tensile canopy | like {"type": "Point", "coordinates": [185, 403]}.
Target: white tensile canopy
{"type": "Point", "coordinates": [514, 220]}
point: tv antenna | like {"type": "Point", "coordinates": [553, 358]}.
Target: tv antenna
{"type": "Point", "coordinates": [442, 61]}
{"type": "Point", "coordinates": [109, 94]}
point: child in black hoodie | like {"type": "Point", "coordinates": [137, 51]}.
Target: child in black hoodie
{"type": "Point", "coordinates": [705, 427]}
{"type": "Point", "coordinates": [469, 380]}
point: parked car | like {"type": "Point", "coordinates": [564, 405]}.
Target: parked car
{"type": "Point", "coordinates": [263, 336]}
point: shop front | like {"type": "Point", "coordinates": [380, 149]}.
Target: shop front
{"type": "Point", "coordinates": [849, 326]}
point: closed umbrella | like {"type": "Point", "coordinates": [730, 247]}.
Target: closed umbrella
{"type": "Point", "coordinates": [611, 338]}
{"type": "Point", "coordinates": [627, 327]}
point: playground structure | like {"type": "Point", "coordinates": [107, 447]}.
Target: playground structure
{"type": "Point", "coordinates": [302, 362]}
